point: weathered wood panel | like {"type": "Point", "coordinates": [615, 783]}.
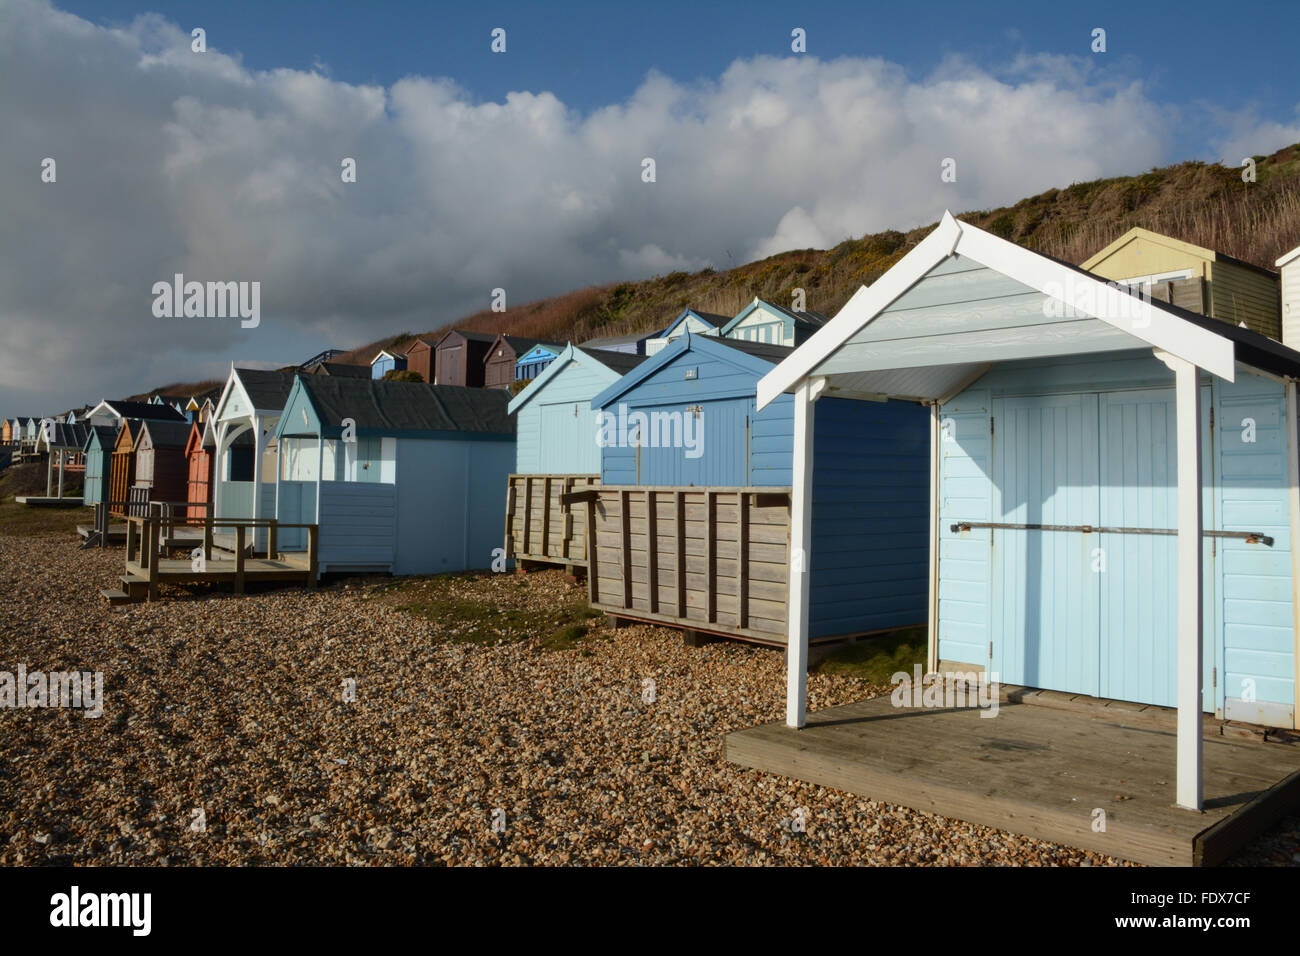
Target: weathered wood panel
{"type": "Point", "coordinates": [703, 559]}
{"type": "Point", "coordinates": [538, 526]}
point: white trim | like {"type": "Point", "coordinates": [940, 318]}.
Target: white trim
{"type": "Point", "coordinates": [796, 642]}
{"type": "Point", "coordinates": [1190, 580]}
{"type": "Point", "coordinates": [1293, 467]}
{"type": "Point", "coordinates": [932, 618]}
{"type": "Point", "coordinates": [1164, 329]}
{"type": "Point", "coordinates": [1287, 257]}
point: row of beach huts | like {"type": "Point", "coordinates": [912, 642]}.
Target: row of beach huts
{"type": "Point", "coordinates": [1062, 472]}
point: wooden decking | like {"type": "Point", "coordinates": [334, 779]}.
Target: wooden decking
{"type": "Point", "coordinates": [148, 568]}
{"type": "Point", "coordinates": [539, 527]}
{"type": "Point", "coordinates": [1038, 771]}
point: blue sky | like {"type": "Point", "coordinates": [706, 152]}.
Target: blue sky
{"type": "Point", "coordinates": [595, 53]}
{"type": "Point", "coordinates": [523, 171]}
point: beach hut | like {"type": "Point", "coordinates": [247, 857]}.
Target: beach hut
{"type": "Point", "coordinates": [111, 412]}
{"type": "Point", "coordinates": [244, 468]}
{"type": "Point", "coordinates": [122, 468]}
{"type": "Point", "coordinates": [762, 321]}
{"type": "Point", "coordinates": [97, 451]}
{"type": "Point", "coordinates": [419, 358]}
{"type": "Point", "coordinates": [1192, 277]}
{"type": "Point", "coordinates": [386, 362]}
{"type": "Point", "coordinates": [1289, 269]}
{"type": "Point", "coordinates": [198, 469]}
{"type": "Point", "coordinates": [692, 515]}
{"type": "Point", "coordinates": [459, 357]}
{"type": "Point", "coordinates": [557, 453]}
{"type": "Point", "coordinates": [693, 321]}
{"type": "Point", "coordinates": [61, 443]}
{"type": "Point", "coordinates": [400, 477]}
{"type": "Point", "coordinates": [7, 430]}
{"type": "Point", "coordinates": [500, 364]}
{"type": "Point", "coordinates": [1113, 490]}
{"type": "Point", "coordinates": [161, 468]}
{"type": "Point", "coordinates": [534, 361]}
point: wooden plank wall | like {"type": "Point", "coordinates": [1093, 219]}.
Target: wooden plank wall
{"type": "Point", "coordinates": [538, 527]}
{"type": "Point", "coordinates": [707, 559]}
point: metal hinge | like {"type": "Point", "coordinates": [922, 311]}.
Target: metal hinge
{"type": "Point", "coordinates": [992, 428]}
{"type": "Point", "coordinates": [1211, 418]}
{"type": "Point", "coordinates": [1214, 677]}
{"type": "Point", "coordinates": [990, 650]}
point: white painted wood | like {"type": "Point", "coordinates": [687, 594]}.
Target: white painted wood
{"type": "Point", "coordinates": [796, 654]}
{"type": "Point", "coordinates": [932, 621]}
{"type": "Point", "coordinates": [1156, 326]}
{"type": "Point", "coordinates": [1293, 467]}
{"type": "Point", "coordinates": [1190, 574]}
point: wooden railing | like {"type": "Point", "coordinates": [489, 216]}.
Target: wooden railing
{"type": "Point", "coordinates": [144, 543]}
{"type": "Point", "coordinates": [539, 527]}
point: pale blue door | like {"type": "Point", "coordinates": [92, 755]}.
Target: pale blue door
{"type": "Point", "coordinates": [1045, 592]}
{"type": "Point", "coordinates": [1139, 593]}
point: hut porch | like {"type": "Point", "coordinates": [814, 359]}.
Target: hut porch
{"type": "Point", "coordinates": [1042, 769]}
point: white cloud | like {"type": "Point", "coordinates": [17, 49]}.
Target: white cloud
{"type": "Point", "coordinates": [171, 161]}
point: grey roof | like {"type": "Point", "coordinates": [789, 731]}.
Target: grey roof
{"type": "Point", "coordinates": [168, 434]}
{"type": "Point", "coordinates": [69, 436]}
{"type": "Point", "coordinates": [148, 410]}
{"type": "Point", "coordinates": [620, 362]}
{"type": "Point", "coordinates": [763, 350]}
{"type": "Point", "coordinates": [106, 434]}
{"type": "Point", "coordinates": [487, 337]}
{"type": "Point", "coordinates": [808, 318]}
{"type": "Point", "coordinates": [608, 340]}
{"type": "Point", "coordinates": [266, 389]}
{"type": "Point", "coordinates": [341, 370]}
{"type": "Point", "coordinates": [405, 408]}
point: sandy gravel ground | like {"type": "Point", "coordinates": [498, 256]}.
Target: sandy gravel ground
{"type": "Point", "coordinates": [235, 707]}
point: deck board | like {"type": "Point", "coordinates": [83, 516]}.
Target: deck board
{"type": "Point", "coordinates": [1038, 771]}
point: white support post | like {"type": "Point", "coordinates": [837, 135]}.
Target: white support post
{"type": "Point", "coordinates": [49, 470]}
{"type": "Point", "coordinates": [932, 618]}
{"type": "Point", "coordinates": [61, 466]}
{"type": "Point", "coordinates": [1190, 574]}
{"type": "Point", "coordinates": [796, 649]}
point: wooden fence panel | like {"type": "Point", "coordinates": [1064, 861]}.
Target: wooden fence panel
{"type": "Point", "coordinates": [707, 559]}
{"type": "Point", "coordinates": [538, 526]}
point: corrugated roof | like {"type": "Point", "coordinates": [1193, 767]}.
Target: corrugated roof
{"type": "Point", "coordinates": [406, 407]}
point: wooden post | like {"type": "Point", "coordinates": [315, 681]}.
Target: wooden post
{"type": "Point", "coordinates": [546, 516]}
{"type": "Point", "coordinates": [61, 454]}
{"type": "Point", "coordinates": [152, 529]}
{"type": "Point", "coordinates": [710, 557]}
{"type": "Point", "coordinates": [312, 563]}
{"type": "Point", "coordinates": [528, 514]}
{"type": "Point", "coordinates": [510, 516]}
{"type": "Point", "coordinates": [796, 648]}
{"type": "Point", "coordinates": [273, 540]}
{"type": "Point", "coordinates": [1190, 577]}
{"type": "Point", "coordinates": [679, 507]}
{"type": "Point", "coordinates": [932, 604]}
{"type": "Point", "coordinates": [239, 558]}
{"type": "Point", "coordinates": [207, 537]}
{"type": "Point", "coordinates": [130, 540]}
{"type": "Point", "coordinates": [652, 549]}
{"type": "Point", "coordinates": [742, 560]}
{"type": "Point", "coordinates": [566, 520]}
{"type": "Point", "coordinates": [593, 587]}
{"type": "Point", "coordinates": [625, 520]}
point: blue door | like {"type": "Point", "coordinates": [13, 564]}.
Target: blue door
{"type": "Point", "coordinates": [1092, 613]}
{"type": "Point", "coordinates": [700, 443]}
{"type": "Point", "coordinates": [1139, 593]}
{"type": "Point", "coordinates": [1045, 593]}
